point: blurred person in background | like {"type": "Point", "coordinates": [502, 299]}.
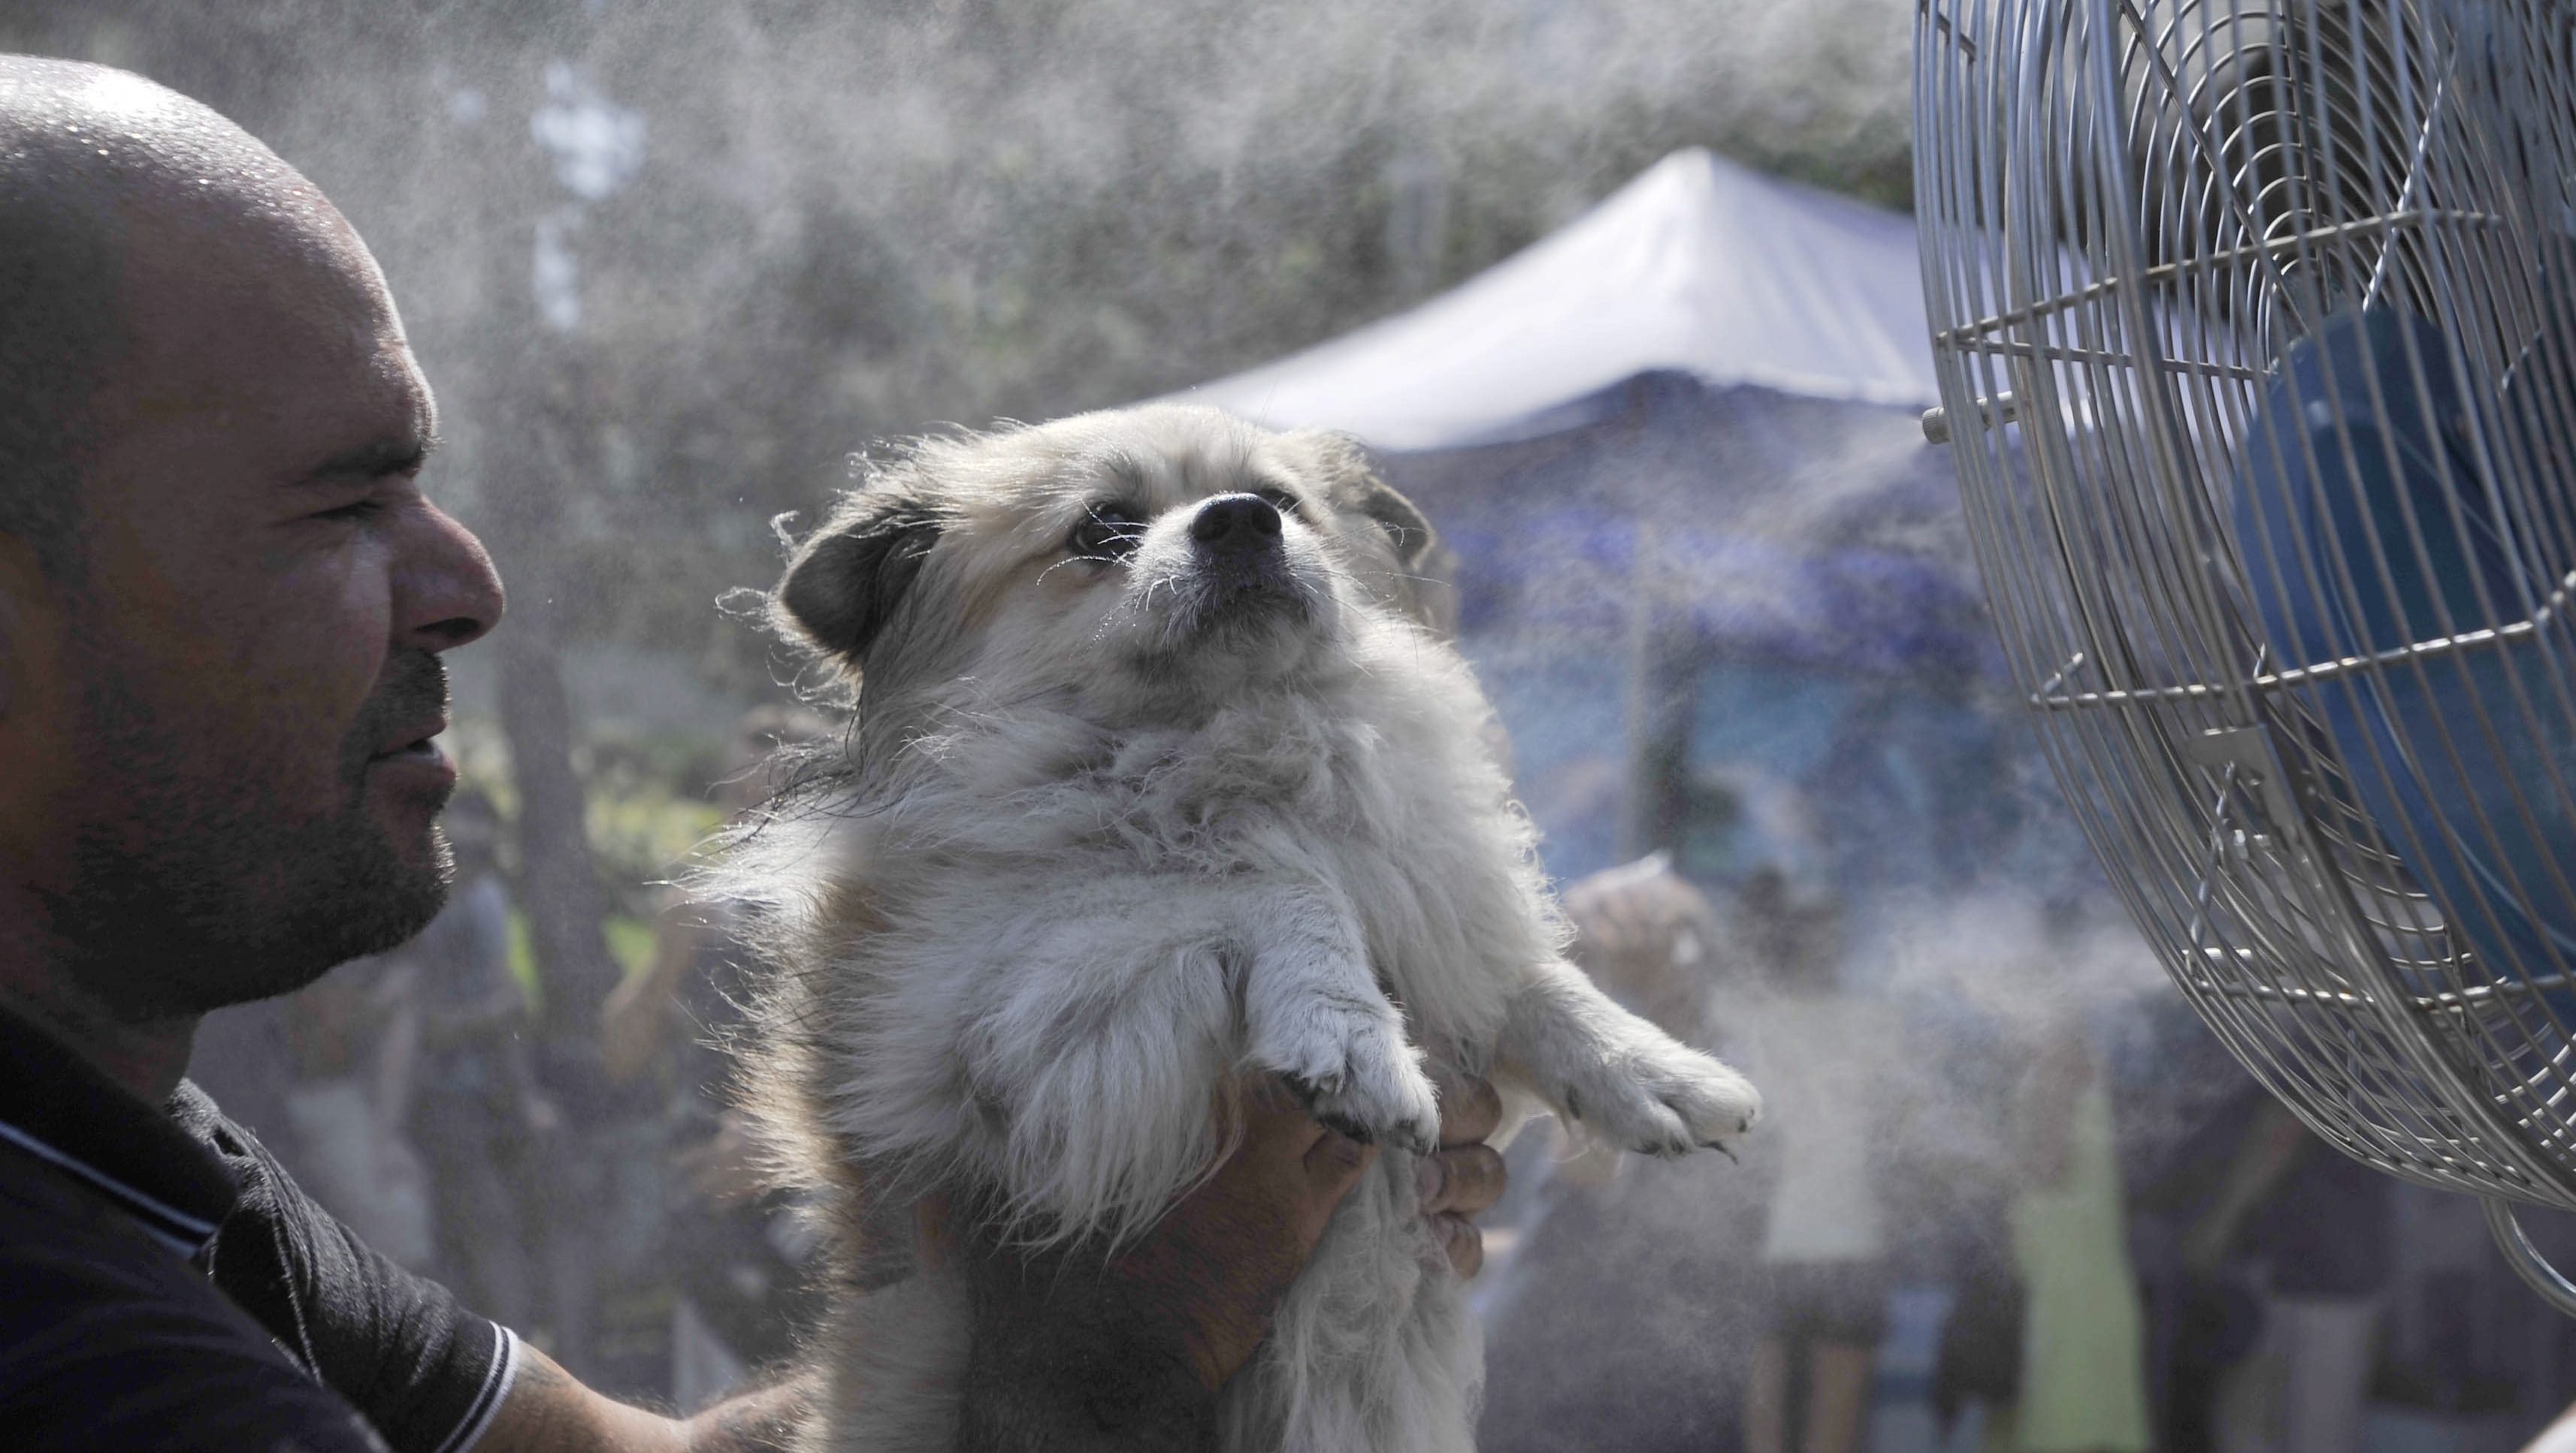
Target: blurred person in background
{"type": "Point", "coordinates": [1962, 1203]}
{"type": "Point", "coordinates": [739, 1299]}
{"type": "Point", "coordinates": [1977, 1363]}
{"type": "Point", "coordinates": [2318, 1229]}
{"type": "Point", "coordinates": [1818, 1054]}
{"type": "Point", "coordinates": [476, 1111]}
{"type": "Point", "coordinates": [1652, 941]}
{"type": "Point", "coordinates": [1620, 1282]}
{"type": "Point", "coordinates": [2182, 1100]}
{"type": "Point", "coordinates": [353, 1035]}
{"type": "Point", "coordinates": [2082, 1366]}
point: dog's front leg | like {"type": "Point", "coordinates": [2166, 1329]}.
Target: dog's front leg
{"type": "Point", "coordinates": [1091, 1052]}
{"type": "Point", "coordinates": [1089, 1064]}
{"type": "Point", "coordinates": [1315, 1014]}
{"type": "Point", "coordinates": [1618, 1074]}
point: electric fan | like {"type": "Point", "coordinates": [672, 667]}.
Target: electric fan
{"type": "Point", "coordinates": [2256, 343]}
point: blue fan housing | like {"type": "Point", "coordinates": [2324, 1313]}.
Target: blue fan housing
{"type": "Point", "coordinates": [2370, 519]}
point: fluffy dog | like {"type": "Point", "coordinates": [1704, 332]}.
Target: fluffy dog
{"type": "Point", "coordinates": [1155, 778]}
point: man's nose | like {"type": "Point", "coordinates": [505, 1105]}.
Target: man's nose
{"type": "Point", "coordinates": [446, 592]}
{"type": "Point", "coordinates": [1235, 522]}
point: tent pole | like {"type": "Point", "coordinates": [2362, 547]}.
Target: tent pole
{"type": "Point", "coordinates": [1637, 805]}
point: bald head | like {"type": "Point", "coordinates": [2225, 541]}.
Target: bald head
{"type": "Point", "coordinates": [107, 179]}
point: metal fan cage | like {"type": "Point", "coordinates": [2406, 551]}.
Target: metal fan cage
{"type": "Point", "coordinates": [2132, 213]}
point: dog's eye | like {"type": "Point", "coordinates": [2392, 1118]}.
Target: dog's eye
{"type": "Point", "coordinates": [1281, 500]}
{"type": "Point", "coordinates": [1107, 532]}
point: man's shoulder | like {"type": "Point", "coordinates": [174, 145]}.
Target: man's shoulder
{"type": "Point", "coordinates": [109, 1339]}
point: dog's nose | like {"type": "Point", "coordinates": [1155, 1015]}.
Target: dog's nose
{"type": "Point", "coordinates": [1237, 521]}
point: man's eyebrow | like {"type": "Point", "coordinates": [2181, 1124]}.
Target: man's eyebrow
{"type": "Point", "coordinates": [379, 460]}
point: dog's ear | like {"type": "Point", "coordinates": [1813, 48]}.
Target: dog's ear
{"type": "Point", "coordinates": [848, 580]}
{"type": "Point", "coordinates": [1423, 584]}
{"type": "Point", "coordinates": [1354, 489]}
{"type": "Point", "coordinates": [1404, 525]}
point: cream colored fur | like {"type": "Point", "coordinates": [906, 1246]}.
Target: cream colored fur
{"type": "Point", "coordinates": [1109, 831]}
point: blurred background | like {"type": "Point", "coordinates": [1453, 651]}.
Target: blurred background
{"type": "Point", "coordinates": [1624, 294]}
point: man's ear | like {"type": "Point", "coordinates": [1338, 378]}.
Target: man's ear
{"type": "Point", "coordinates": [848, 580]}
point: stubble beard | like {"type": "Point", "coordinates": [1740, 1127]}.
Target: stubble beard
{"type": "Point", "coordinates": [196, 889]}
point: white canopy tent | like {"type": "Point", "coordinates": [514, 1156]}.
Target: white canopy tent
{"type": "Point", "coordinates": [1675, 439]}
{"type": "Point", "coordinates": [1698, 267]}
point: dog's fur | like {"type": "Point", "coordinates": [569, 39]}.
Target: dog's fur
{"type": "Point", "coordinates": [1113, 826]}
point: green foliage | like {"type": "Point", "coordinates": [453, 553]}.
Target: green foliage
{"type": "Point", "coordinates": [647, 814]}
{"type": "Point", "coordinates": [523, 963]}
{"type": "Point", "coordinates": [630, 942]}
{"type": "Point", "coordinates": [647, 806]}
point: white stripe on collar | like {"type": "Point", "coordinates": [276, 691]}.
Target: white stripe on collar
{"type": "Point", "coordinates": [167, 1224]}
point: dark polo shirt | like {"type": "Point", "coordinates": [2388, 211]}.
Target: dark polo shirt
{"type": "Point", "coordinates": [165, 1285]}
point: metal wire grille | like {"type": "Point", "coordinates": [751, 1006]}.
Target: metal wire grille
{"type": "Point", "coordinates": [2253, 320]}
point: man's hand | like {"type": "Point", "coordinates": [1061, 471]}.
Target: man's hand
{"type": "Point", "coordinates": [1076, 1350]}
{"type": "Point", "coordinates": [1132, 1355]}
{"type": "Point", "coordinates": [1224, 1257]}
{"type": "Point", "coordinates": [1464, 1180]}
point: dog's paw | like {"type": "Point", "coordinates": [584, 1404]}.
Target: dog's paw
{"type": "Point", "coordinates": [1665, 1101]}
{"type": "Point", "coordinates": [1357, 1075]}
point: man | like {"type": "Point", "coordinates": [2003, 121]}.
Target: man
{"type": "Point", "coordinates": [223, 599]}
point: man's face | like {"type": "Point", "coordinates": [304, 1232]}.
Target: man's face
{"type": "Point", "coordinates": [249, 674]}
